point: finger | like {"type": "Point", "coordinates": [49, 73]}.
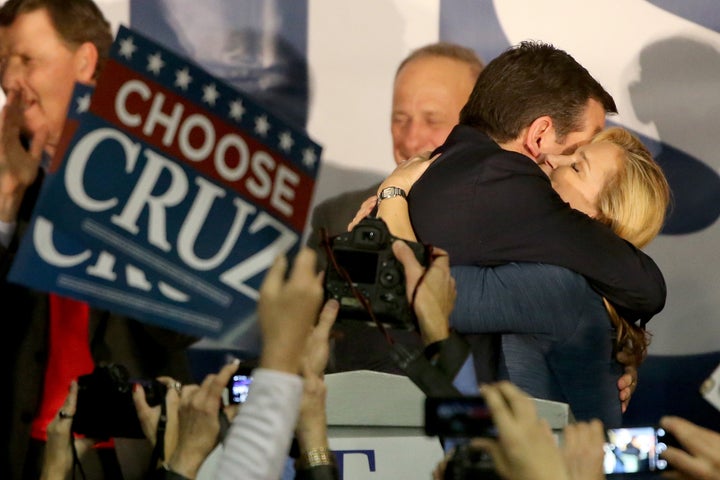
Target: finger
{"type": "Point", "coordinates": [173, 386]}
{"type": "Point", "coordinates": [501, 413]}
{"type": "Point", "coordinates": [522, 406]}
{"type": "Point", "coordinates": [673, 475]}
{"type": "Point", "coordinates": [440, 257]}
{"type": "Point", "coordinates": [327, 317]}
{"type": "Point", "coordinates": [695, 439]}
{"type": "Point", "coordinates": [365, 209]}
{"type": "Point", "coordinates": [139, 398]}
{"type": "Point", "coordinates": [224, 376]}
{"type": "Point", "coordinates": [624, 381]}
{"type": "Point", "coordinates": [38, 142]}
{"type": "Point", "coordinates": [407, 258]}
{"type": "Point", "coordinates": [70, 404]}
{"type": "Point", "coordinates": [687, 464]}
{"type": "Point", "coordinates": [304, 266]}
{"type": "Point", "coordinates": [274, 277]}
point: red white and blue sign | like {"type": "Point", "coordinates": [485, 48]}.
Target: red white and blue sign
{"type": "Point", "coordinates": [170, 196]}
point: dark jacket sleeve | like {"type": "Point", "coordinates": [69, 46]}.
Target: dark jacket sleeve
{"type": "Point", "coordinates": [530, 222]}
{"type": "Point", "coordinates": [505, 210]}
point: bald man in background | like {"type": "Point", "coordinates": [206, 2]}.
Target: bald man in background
{"type": "Point", "coordinates": [431, 86]}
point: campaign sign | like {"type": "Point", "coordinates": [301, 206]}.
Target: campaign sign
{"type": "Point", "coordinates": [170, 196]}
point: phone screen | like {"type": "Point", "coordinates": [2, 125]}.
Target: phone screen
{"type": "Point", "coordinates": [238, 388]}
{"type": "Point", "coordinates": [634, 449]}
{"type": "Point", "coordinates": [458, 417]}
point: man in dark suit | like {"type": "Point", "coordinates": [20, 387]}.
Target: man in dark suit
{"type": "Point", "coordinates": [431, 86]}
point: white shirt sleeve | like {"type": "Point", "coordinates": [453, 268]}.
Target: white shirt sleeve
{"type": "Point", "coordinates": [7, 229]}
{"type": "Point", "coordinates": [257, 444]}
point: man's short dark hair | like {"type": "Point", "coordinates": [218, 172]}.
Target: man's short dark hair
{"type": "Point", "coordinates": [528, 81]}
{"type": "Point", "coordinates": [76, 21]}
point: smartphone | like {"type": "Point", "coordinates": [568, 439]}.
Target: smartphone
{"type": "Point", "coordinates": [237, 389]}
{"type": "Point", "coordinates": [635, 450]}
{"type": "Point", "coordinates": [459, 417]}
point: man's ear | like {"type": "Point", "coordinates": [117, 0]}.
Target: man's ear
{"type": "Point", "coordinates": [540, 131]}
{"type": "Point", "coordinates": [86, 59]}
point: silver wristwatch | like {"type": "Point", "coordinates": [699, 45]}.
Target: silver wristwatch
{"type": "Point", "coordinates": [390, 192]}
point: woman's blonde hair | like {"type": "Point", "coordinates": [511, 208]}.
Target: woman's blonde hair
{"type": "Point", "coordinates": [633, 204]}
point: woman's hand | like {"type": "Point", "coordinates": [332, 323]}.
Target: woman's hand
{"type": "Point", "coordinates": [394, 211]}
{"type": "Point", "coordinates": [150, 416]}
{"type": "Point", "coordinates": [408, 172]}
{"type": "Point", "coordinates": [525, 447]}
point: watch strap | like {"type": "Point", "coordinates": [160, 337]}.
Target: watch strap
{"type": "Point", "coordinates": [390, 192]}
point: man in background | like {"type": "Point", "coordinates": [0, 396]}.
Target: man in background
{"type": "Point", "coordinates": [431, 86]}
{"type": "Point", "coordinates": [50, 340]}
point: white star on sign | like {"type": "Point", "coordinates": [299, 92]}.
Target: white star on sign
{"type": "Point", "coordinates": [210, 94]}
{"type": "Point", "coordinates": [127, 47]}
{"type": "Point", "coordinates": [309, 157]}
{"type": "Point", "coordinates": [286, 141]}
{"type": "Point", "coordinates": [183, 78]}
{"type": "Point", "coordinates": [83, 103]}
{"type": "Point", "coordinates": [155, 63]}
{"type": "Point", "coordinates": [236, 110]}
{"type": "Point", "coordinates": [262, 125]}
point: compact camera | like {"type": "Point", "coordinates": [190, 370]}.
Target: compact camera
{"type": "Point", "coordinates": [631, 450]}
{"type": "Point", "coordinates": [105, 407]}
{"type": "Point", "coordinates": [362, 269]}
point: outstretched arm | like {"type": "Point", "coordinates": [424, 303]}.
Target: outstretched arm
{"type": "Point", "coordinates": [259, 440]}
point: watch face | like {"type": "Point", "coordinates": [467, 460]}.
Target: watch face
{"type": "Point", "coordinates": [390, 192]}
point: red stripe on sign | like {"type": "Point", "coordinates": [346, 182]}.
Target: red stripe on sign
{"type": "Point", "coordinates": [199, 139]}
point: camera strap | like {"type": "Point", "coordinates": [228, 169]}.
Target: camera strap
{"type": "Point", "coordinates": [76, 459]}
{"type": "Point", "coordinates": [429, 378]}
{"type": "Point", "coordinates": [327, 246]}
{"type": "Point", "coordinates": [158, 453]}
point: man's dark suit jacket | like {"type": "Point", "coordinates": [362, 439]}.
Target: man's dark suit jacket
{"type": "Point", "coordinates": [487, 206]}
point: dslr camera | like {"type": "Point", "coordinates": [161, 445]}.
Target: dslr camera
{"type": "Point", "coordinates": [105, 407]}
{"type": "Point", "coordinates": [363, 270]}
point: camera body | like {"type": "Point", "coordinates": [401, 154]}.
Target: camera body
{"type": "Point", "coordinates": [105, 407]}
{"type": "Point", "coordinates": [365, 253]}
